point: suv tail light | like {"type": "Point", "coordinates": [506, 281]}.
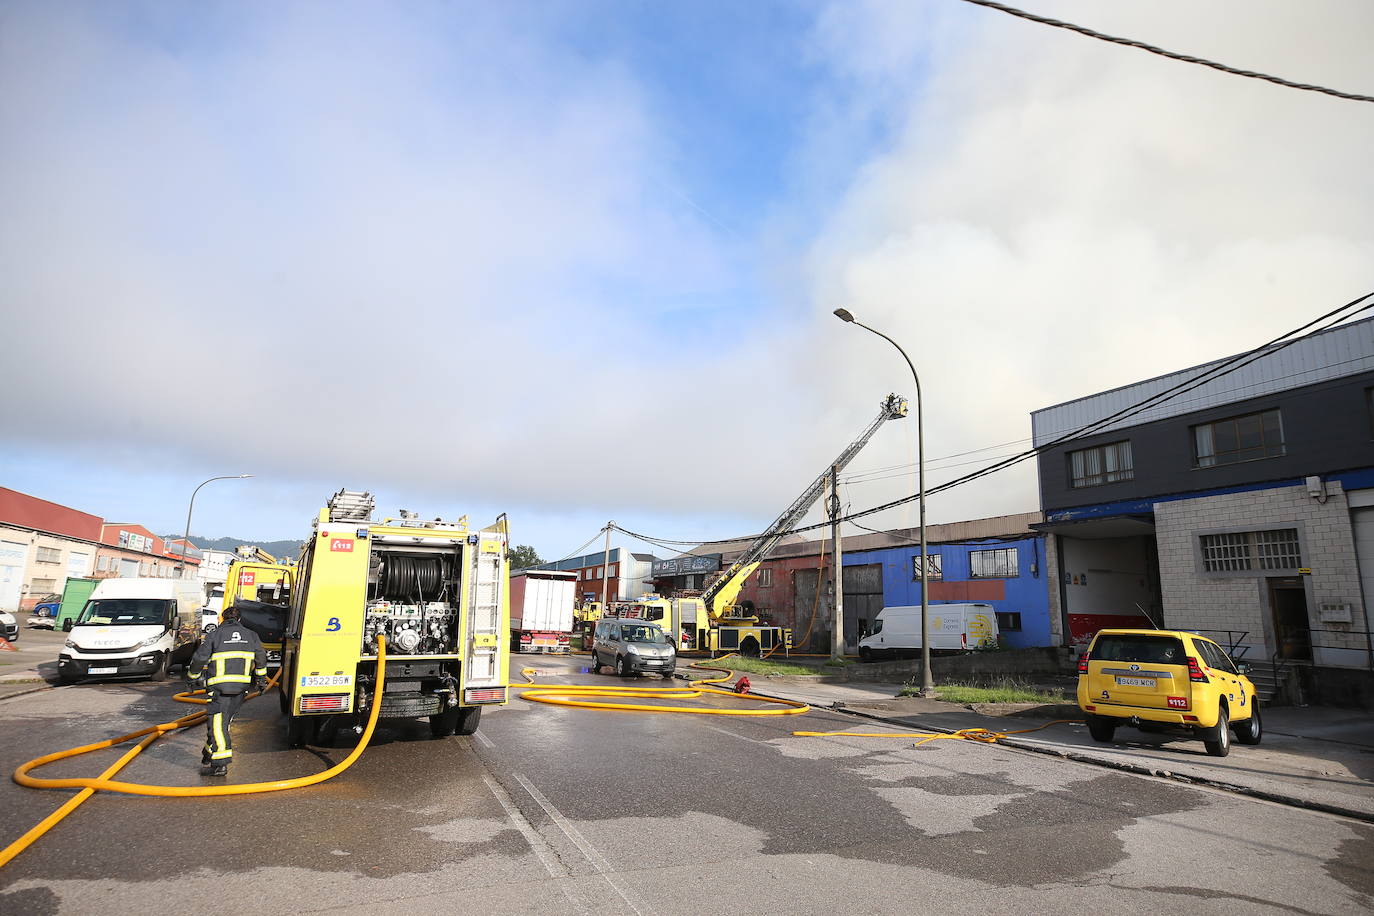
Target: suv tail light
{"type": "Point", "coordinates": [1195, 671]}
{"type": "Point", "coordinates": [1083, 662]}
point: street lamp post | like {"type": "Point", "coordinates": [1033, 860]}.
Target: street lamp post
{"type": "Point", "coordinates": [186, 541]}
{"type": "Point", "coordinates": [927, 683]}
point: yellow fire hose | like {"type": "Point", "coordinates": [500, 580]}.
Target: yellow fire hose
{"type": "Point", "coordinates": [89, 786]}
{"type": "Point", "coordinates": [984, 735]}
{"type": "Point", "coordinates": [568, 694]}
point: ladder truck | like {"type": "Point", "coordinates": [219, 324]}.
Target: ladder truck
{"type": "Point", "coordinates": [713, 622]}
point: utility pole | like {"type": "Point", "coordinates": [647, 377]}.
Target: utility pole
{"type": "Point", "coordinates": [837, 569]}
{"type": "Point", "coordinates": [606, 568]}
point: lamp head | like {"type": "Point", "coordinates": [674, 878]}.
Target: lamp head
{"type": "Point", "coordinates": [843, 315]}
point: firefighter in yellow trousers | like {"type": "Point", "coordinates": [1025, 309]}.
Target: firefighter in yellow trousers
{"type": "Point", "coordinates": [228, 660]}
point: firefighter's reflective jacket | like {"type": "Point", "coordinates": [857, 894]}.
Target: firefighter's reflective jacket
{"type": "Point", "coordinates": [228, 658]}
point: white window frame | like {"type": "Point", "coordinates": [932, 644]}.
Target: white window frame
{"type": "Point", "coordinates": [934, 567]}
{"type": "Point", "coordinates": [998, 557]}
{"type": "Point", "coordinates": [1100, 465]}
{"type": "Point", "coordinates": [765, 578]}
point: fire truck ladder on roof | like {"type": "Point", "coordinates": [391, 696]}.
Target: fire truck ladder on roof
{"type": "Point", "coordinates": [351, 506]}
{"type": "Point", "coordinates": [722, 592]}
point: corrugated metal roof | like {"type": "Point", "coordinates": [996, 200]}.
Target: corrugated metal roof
{"type": "Point", "coordinates": [998, 526]}
{"type": "Point", "coordinates": [1337, 352]}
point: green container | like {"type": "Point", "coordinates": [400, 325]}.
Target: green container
{"type": "Point", "coordinates": [74, 597]}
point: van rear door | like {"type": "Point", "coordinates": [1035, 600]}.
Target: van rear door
{"type": "Point", "coordinates": [1139, 669]}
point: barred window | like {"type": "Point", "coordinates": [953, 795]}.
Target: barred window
{"type": "Point", "coordinates": [994, 564]}
{"type": "Point", "coordinates": [1278, 549]}
{"type": "Point", "coordinates": [934, 567]}
{"type": "Point", "coordinates": [1250, 550]}
{"type": "Point", "coordinates": [49, 555]}
{"type": "Point", "coordinates": [1237, 439]}
{"type": "Point", "coordinates": [1092, 467]}
{"type": "Point", "coordinates": [765, 578]}
{"type": "Point", "coordinates": [42, 585]}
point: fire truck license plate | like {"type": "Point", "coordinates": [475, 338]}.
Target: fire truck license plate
{"type": "Point", "coordinates": [326, 680]}
{"type": "Point", "coordinates": [1135, 681]}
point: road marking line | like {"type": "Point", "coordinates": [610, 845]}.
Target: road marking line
{"type": "Point", "coordinates": [726, 731]}
{"type": "Point", "coordinates": [484, 739]}
{"type": "Point", "coordinates": [532, 837]}
{"type": "Point", "coordinates": [597, 860]}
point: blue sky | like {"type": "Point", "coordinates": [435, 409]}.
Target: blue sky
{"type": "Point", "coordinates": [576, 261]}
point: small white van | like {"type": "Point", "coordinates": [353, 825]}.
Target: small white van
{"type": "Point", "coordinates": [955, 626]}
{"type": "Point", "coordinates": [137, 627]}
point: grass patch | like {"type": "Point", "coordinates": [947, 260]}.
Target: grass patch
{"type": "Point", "coordinates": [1006, 691]}
{"type": "Point", "coordinates": [762, 666]}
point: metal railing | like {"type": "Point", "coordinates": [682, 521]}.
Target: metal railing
{"type": "Point", "coordinates": [1302, 641]}
{"type": "Point", "coordinates": [1236, 647]}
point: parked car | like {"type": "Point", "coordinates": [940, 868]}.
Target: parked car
{"type": "Point", "coordinates": [9, 626]}
{"type": "Point", "coordinates": [209, 619]}
{"type": "Point", "coordinates": [1167, 681]}
{"type": "Point", "coordinates": [633, 647]}
{"type": "Point", "coordinates": [47, 606]}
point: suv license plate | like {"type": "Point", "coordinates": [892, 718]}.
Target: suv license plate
{"type": "Point", "coordinates": [102, 670]}
{"type": "Point", "coordinates": [1135, 681]}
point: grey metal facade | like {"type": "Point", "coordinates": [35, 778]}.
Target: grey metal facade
{"type": "Point", "coordinates": [1344, 350]}
{"type": "Point", "coordinates": [1326, 429]}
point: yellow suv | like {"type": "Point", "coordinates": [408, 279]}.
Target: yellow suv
{"type": "Point", "coordinates": [1165, 681]}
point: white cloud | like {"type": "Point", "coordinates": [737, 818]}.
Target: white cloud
{"type": "Point", "coordinates": [451, 258]}
{"type": "Point", "coordinates": [1058, 216]}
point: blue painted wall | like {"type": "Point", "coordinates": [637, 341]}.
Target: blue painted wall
{"type": "Point", "coordinates": [1026, 594]}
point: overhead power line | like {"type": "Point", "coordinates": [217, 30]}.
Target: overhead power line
{"type": "Point", "coordinates": [578, 550]}
{"type": "Point", "coordinates": [1173, 55]}
{"type": "Point", "coordinates": [1216, 371]}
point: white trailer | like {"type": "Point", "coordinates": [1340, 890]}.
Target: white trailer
{"type": "Point", "coordinates": [541, 609]}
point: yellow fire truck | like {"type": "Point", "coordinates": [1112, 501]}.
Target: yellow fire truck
{"type": "Point", "coordinates": [262, 593]}
{"type": "Point", "coordinates": [437, 591]}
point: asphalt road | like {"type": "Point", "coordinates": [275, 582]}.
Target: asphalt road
{"type": "Point", "coordinates": [552, 810]}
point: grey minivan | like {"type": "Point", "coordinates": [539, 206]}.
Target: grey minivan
{"type": "Point", "coordinates": [633, 647]}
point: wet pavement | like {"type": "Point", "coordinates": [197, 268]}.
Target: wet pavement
{"type": "Point", "coordinates": [553, 810]}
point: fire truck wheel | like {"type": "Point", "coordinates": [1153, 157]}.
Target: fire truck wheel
{"type": "Point", "coordinates": [441, 725]}
{"type": "Point", "coordinates": [470, 718]}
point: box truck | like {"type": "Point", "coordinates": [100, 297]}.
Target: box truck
{"type": "Point", "coordinates": [955, 626]}
{"type": "Point", "coordinates": [541, 610]}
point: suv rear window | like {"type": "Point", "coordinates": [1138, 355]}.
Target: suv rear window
{"type": "Point", "coordinates": [1157, 650]}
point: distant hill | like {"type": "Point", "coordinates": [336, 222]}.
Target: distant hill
{"type": "Point", "coordinates": [290, 549]}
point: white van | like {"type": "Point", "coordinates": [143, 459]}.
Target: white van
{"type": "Point", "coordinates": [957, 626]}
{"type": "Point", "coordinates": [133, 628]}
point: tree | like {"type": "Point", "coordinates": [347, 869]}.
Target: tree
{"type": "Point", "coordinates": [523, 556]}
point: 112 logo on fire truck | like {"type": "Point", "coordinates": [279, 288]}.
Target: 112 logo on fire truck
{"type": "Point", "coordinates": [341, 545]}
